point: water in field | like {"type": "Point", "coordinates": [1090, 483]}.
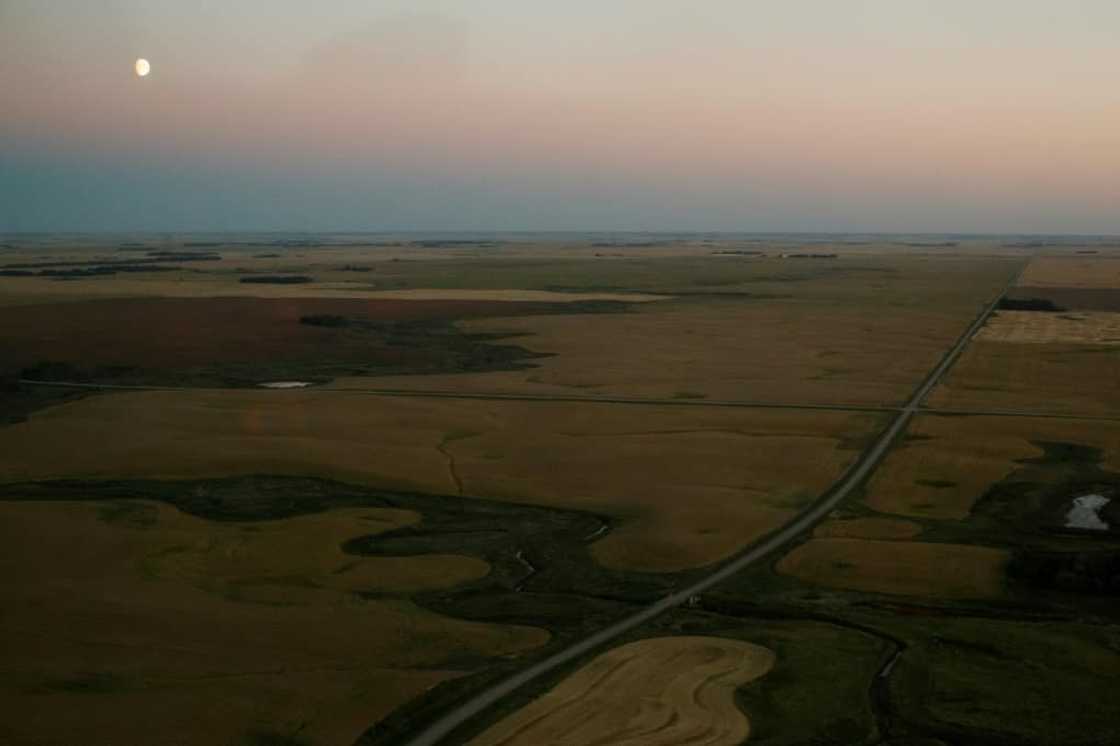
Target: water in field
{"type": "Point", "coordinates": [286, 384]}
{"type": "Point", "coordinates": [1086, 513]}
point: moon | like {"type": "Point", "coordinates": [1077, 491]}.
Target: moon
{"type": "Point", "coordinates": [143, 67]}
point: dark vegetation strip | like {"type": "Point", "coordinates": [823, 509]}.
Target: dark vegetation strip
{"type": "Point", "coordinates": [154, 258]}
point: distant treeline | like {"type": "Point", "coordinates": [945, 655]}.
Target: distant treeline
{"type": "Point", "coordinates": [93, 271]}
{"type": "Point", "coordinates": [450, 243]}
{"type": "Point", "coordinates": [157, 257]}
{"type": "Point", "coordinates": [1028, 304]}
{"type": "Point", "coordinates": [276, 280]}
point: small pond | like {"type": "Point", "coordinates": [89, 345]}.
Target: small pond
{"type": "Point", "coordinates": [1086, 513]}
{"type": "Point", "coordinates": [286, 384]}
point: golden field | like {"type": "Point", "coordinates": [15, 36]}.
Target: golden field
{"type": "Point", "coordinates": [909, 568]}
{"type": "Point", "coordinates": [132, 619]}
{"type": "Point", "coordinates": [662, 691]}
{"type": "Point", "coordinates": [687, 485]}
{"type": "Point", "coordinates": [1072, 271]}
{"type": "Point", "coordinates": [823, 338]}
{"type": "Point", "coordinates": [860, 329]}
{"type": "Point", "coordinates": [278, 561]}
{"type": "Point", "coordinates": [868, 528]}
{"type": "Point", "coordinates": [947, 462]}
{"type": "Point", "coordinates": [1060, 362]}
{"type": "Point", "coordinates": [1056, 378]}
{"type": "Point", "coordinates": [1072, 327]}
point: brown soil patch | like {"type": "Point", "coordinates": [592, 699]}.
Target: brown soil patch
{"type": "Point", "coordinates": [1073, 299]}
{"type": "Point", "coordinates": [176, 334]}
{"type": "Point", "coordinates": [907, 568]}
{"type": "Point", "coordinates": [665, 691]}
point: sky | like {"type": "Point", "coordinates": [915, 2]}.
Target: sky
{"type": "Point", "coordinates": [997, 116]}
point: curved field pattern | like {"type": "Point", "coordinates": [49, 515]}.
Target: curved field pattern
{"type": "Point", "coordinates": [669, 690]}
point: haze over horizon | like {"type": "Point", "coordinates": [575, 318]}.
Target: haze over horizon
{"type": "Point", "coordinates": [496, 115]}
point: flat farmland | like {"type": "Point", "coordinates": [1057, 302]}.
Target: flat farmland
{"type": "Point", "coordinates": [860, 331]}
{"type": "Point", "coordinates": [352, 560]}
{"type": "Point", "coordinates": [1062, 358]}
{"type": "Point", "coordinates": [671, 690]}
{"type": "Point", "coordinates": [947, 463]}
{"type": "Point", "coordinates": [907, 568]}
{"type": "Point", "coordinates": [687, 486]}
{"type": "Point", "coordinates": [182, 340]}
{"type": "Point", "coordinates": [130, 619]}
{"type": "Point", "coordinates": [1070, 298]}
{"type": "Point", "coordinates": [1063, 378]}
{"type": "Point", "coordinates": [1073, 272]}
{"type": "Point", "coordinates": [958, 541]}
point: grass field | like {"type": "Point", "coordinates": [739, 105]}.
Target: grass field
{"type": "Point", "coordinates": [131, 620]}
{"type": "Point", "coordinates": [1064, 361]}
{"type": "Point", "coordinates": [1071, 327]}
{"type": "Point", "coordinates": [279, 561]}
{"type": "Point", "coordinates": [673, 690]}
{"type": "Point", "coordinates": [1002, 681]}
{"type": "Point", "coordinates": [1073, 272]}
{"type": "Point", "coordinates": [859, 334]}
{"type": "Point", "coordinates": [687, 486]}
{"type": "Point", "coordinates": [868, 528]}
{"type": "Point", "coordinates": [1058, 377]}
{"type": "Point", "coordinates": [945, 464]}
{"type": "Point", "coordinates": [432, 546]}
{"type": "Point", "coordinates": [908, 568]}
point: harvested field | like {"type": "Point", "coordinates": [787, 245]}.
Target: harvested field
{"type": "Point", "coordinates": [1069, 327]}
{"type": "Point", "coordinates": [687, 486]}
{"type": "Point", "coordinates": [1072, 272]}
{"type": "Point", "coordinates": [947, 463]}
{"type": "Point", "coordinates": [168, 336]}
{"type": "Point", "coordinates": [868, 528]}
{"type": "Point", "coordinates": [1061, 378]}
{"type": "Point", "coordinates": [671, 691]}
{"type": "Point", "coordinates": [858, 332]}
{"type": "Point", "coordinates": [908, 568]}
{"type": "Point", "coordinates": [110, 628]}
{"type": "Point", "coordinates": [284, 561]}
{"type": "Point", "coordinates": [772, 351]}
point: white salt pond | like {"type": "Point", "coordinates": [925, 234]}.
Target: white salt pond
{"type": "Point", "coordinates": [1086, 513]}
{"type": "Point", "coordinates": [286, 384]}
